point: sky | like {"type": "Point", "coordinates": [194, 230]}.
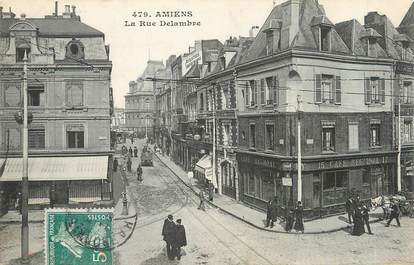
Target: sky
{"type": "Point", "coordinates": [131, 47]}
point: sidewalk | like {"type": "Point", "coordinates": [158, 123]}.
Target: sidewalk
{"type": "Point", "coordinates": [256, 218]}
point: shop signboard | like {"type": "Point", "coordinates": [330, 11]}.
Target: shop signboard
{"type": "Point", "coordinates": [287, 182]}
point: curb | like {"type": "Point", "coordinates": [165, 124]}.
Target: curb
{"type": "Point", "coordinates": [252, 224]}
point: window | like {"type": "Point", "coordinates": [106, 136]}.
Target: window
{"type": "Point", "coordinates": [374, 90]}
{"type": "Point", "coordinates": [262, 92]}
{"type": "Point", "coordinates": [226, 134]}
{"type": "Point", "coordinates": [35, 95]}
{"type": "Point", "coordinates": [270, 137]}
{"type": "Point", "coordinates": [405, 93]}
{"type": "Point", "coordinates": [328, 138]}
{"type": "Point", "coordinates": [253, 92]}
{"type": "Point", "coordinates": [407, 131]}
{"type": "Point", "coordinates": [353, 137]}
{"type": "Point", "coordinates": [269, 42]}
{"type": "Point", "coordinates": [328, 89]}
{"type": "Point", "coordinates": [75, 136]}
{"type": "Point", "coordinates": [273, 90]}
{"type": "Point", "coordinates": [335, 187]}
{"type": "Point", "coordinates": [75, 49]}
{"type": "Point", "coordinates": [325, 41]}
{"type": "Point", "coordinates": [74, 94]}
{"type": "Point", "coordinates": [20, 54]}
{"type": "Point", "coordinates": [36, 137]}
{"type": "Point", "coordinates": [252, 136]}
{"type": "Point", "coordinates": [375, 135]}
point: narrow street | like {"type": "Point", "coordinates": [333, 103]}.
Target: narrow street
{"type": "Point", "coordinates": [216, 238]}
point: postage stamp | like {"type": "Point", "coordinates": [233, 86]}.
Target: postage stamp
{"type": "Point", "coordinates": [78, 236]}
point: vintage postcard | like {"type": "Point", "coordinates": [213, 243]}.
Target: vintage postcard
{"type": "Point", "coordinates": [206, 132]}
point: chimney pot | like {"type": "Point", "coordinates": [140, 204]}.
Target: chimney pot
{"type": "Point", "coordinates": [67, 8]}
{"type": "Point", "coordinates": [23, 16]}
{"type": "Point", "coordinates": [74, 10]}
{"type": "Point", "coordinates": [56, 8]}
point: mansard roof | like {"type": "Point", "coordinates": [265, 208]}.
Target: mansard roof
{"type": "Point", "coordinates": [54, 27]}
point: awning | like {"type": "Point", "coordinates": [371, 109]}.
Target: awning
{"type": "Point", "coordinates": [203, 164]}
{"type": "Point", "coordinates": [57, 168]}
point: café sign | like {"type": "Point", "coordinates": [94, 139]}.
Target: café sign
{"type": "Point", "coordinates": [404, 68]}
{"type": "Point", "coordinates": [258, 161]}
{"type": "Point", "coordinates": [355, 162]}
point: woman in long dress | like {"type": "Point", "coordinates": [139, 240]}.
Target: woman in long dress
{"type": "Point", "coordinates": [358, 228]}
{"type": "Point", "coordinates": [299, 218]}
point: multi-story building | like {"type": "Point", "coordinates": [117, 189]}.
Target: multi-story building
{"type": "Point", "coordinates": [163, 97]}
{"type": "Point", "coordinates": [403, 92]}
{"type": "Point", "coordinates": [140, 101]}
{"type": "Point", "coordinates": [335, 82]}
{"type": "Point", "coordinates": [69, 95]}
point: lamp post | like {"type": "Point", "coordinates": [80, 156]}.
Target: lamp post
{"type": "Point", "coordinates": [25, 179]}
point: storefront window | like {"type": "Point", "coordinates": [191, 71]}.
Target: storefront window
{"type": "Point", "coordinates": [268, 185]}
{"type": "Point", "coordinates": [335, 187]}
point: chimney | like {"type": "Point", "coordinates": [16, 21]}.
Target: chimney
{"type": "Point", "coordinates": [56, 9]}
{"type": "Point", "coordinates": [23, 16]}
{"type": "Point", "coordinates": [74, 11]}
{"type": "Point", "coordinates": [1, 12]}
{"type": "Point", "coordinates": [253, 31]}
{"type": "Point", "coordinates": [66, 14]}
{"type": "Point", "coordinates": [290, 22]}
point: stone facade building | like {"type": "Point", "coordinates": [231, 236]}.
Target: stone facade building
{"type": "Point", "coordinates": [69, 95]}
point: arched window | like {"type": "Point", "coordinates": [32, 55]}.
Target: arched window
{"type": "Point", "coordinates": [75, 49]}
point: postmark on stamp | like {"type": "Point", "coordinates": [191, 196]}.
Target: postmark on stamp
{"type": "Point", "coordinates": [78, 236]}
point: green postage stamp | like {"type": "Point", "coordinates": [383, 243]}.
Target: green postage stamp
{"type": "Point", "coordinates": [78, 236]}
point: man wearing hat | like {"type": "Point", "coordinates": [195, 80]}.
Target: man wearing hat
{"type": "Point", "coordinates": [395, 212]}
{"type": "Point", "coordinates": [180, 239]}
{"type": "Point", "coordinates": [168, 233]}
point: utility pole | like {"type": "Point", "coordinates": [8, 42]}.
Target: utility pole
{"type": "Point", "coordinates": [299, 150]}
{"type": "Point", "coordinates": [25, 179]}
{"type": "Point", "coordinates": [214, 140]}
{"type": "Point", "coordinates": [399, 146]}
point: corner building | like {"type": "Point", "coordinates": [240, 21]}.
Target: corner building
{"type": "Point", "coordinates": [69, 95]}
{"type": "Point", "coordinates": [337, 81]}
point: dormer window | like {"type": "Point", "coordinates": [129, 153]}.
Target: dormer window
{"type": "Point", "coordinates": [75, 49]}
{"type": "Point", "coordinates": [273, 36]}
{"type": "Point", "coordinates": [20, 54]}
{"type": "Point", "coordinates": [325, 38]}
{"type": "Point", "coordinates": [223, 61]}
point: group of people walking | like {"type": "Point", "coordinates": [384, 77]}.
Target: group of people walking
{"type": "Point", "coordinates": [201, 195]}
{"type": "Point", "coordinates": [294, 217]}
{"type": "Point", "coordinates": [358, 215]}
{"type": "Point", "coordinates": [174, 236]}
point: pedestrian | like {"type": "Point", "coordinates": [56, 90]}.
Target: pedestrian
{"type": "Point", "coordinates": [139, 172]}
{"type": "Point", "coordinates": [395, 213]}
{"type": "Point", "coordinates": [365, 217]}
{"type": "Point", "coordinates": [289, 220]}
{"type": "Point", "coordinates": [18, 204]}
{"type": "Point", "coordinates": [115, 166]}
{"type": "Point", "coordinates": [180, 239]}
{"type": "Point", "coordinates": [129, 164]}
{"type": "Point", "coordinates": [274, 205]}
{"type": "Point", "coordinates": [132, 139]}
{"type": "Point", "coordinates": [202, 199]}
{"type": "Point", "coordinates": [358, 228]}
{"type": "Point", "coordinates": [130, 151]}
{"type": "Point", "coordinates": [210, 191]}
{"type": "Point", "coordinates": [268, 213]}
{"type": "Point", "coordinates": [135, 151]}
{"type": "Point", "coordinates": [168, 233]}
{"type": "Point", "coordinates": [349, 208]}
{"type": "Point", "coordinates": [299, 218]}
{"type": "Point", "coordinates": [124, 150]}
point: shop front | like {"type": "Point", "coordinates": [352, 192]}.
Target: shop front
{"type": "Point", "coordinates": [203, 170]}
{"type": "Point", "coordinates": [59, 180]}
{"type": "Point", "coordinates": [261, 178]}
{"type": "Point", "coordinates": [407, 172]}
{"type": "Point", "coordinates": [327, 183]}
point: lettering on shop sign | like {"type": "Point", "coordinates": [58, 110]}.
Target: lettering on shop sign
{"type": "Point", "coordinates": [258, 161]}
{"type": "Point", "coordinates": [352, 162]}
{"type": "Point", "coordinates": [404, 68]}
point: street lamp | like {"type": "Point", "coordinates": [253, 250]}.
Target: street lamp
{"type": "Point", "coordinates": [25, 118]}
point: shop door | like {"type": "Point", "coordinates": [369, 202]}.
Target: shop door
{"type": "Point", "coordinates": [316, 197]}
{"type": "Point", "coordinates": [60, 193]}
{"type": "Point", "coordinates": [4, 204]}
{"type": "Point", "coordinates": [376, 182]}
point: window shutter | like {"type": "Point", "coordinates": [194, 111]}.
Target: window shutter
{"type": "Point", "coordinates": [367, 91]}
{"type": "Point", "coordinates": [318, 91]}
{"type": "Point", "coordinates": [262, 92]}
{"type": "Point", "coordinates": [337, 94]}
{"type": "Point", "coordinates": [247, 99]}
{"type": "Point", "coordinates": [255, 92]}
{"type": "Point", "coordinates": [275, 90]}
{"type": "Point", "coordinates": [382, 90]}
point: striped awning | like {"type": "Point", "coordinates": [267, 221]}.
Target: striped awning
{"type": "Point", "coordinates": [203, 164]}
{"type": "Point", "coordinates": [57, 168]}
